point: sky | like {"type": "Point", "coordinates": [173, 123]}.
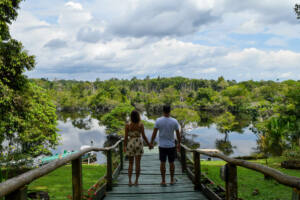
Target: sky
{"type": "Point", "coordinates": [89, 39]}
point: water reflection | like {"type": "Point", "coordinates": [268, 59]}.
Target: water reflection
{"type": "Point", "coordinates": [80, 129]}
{"type": "Point", "coordinates": [72, 137]}
{"type": "Point", "coordinates": [236, 144]}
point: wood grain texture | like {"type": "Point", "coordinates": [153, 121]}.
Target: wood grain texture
{"type": "Point", "coordinates": [280, 177]}
{"type": "Point", "coordinates": [77, 179]}
{"type": "Point", "coordinates": [149, 183]}
{"type": "Point", "coordinates": [15, 183]}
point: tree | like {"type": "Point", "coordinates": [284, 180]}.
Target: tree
{"type": "Point", "coordinates": [116, 119]}
{"type": "Point", "coordinates": [28, 119]}
{"type": "Point", "coordinates": [185, 116]}
{"type": "Point", "coordinates": [297, 10]}
{"type": "Point", "coordinates": [226, 123]}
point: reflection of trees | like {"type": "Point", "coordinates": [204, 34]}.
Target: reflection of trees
{"type": "Point", "coordinates": [82, 123]}
{"type": "Point", "coordinates": [206, 118]}
{"type": "Point", "coordinates": [190, 142]}
{"type": "Point", "coordinates": [64, 116]}
{"type": "Point", "coordinates": [111, 139]}
{"type": "Point", "coordinates": [80, 119]}
{"type": "Point", "coordinates": [225, 146]}
{"type": "Point", "coordinates": [243, 120]}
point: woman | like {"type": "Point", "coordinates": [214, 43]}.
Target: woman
{"type": "Point", "coordinates": [133, 144]}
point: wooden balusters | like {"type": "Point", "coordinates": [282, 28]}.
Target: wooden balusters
{"type": "Point", "coordinates": [231, 182]}
{"type": "Point", "coordinates": [197, 170]}
{"type": "Point", "coordinates": [20, 194]}
{"type": "Point", "coordinates": [296, 194]}
{"type": "Point", "coordinates": [109, 170]}
{"type": "Point", "coordinates": [121, 154]}
{"type": "Point", "coordinates": [183, 159]}
{"type": "Point", "coordinates": [77, 179]}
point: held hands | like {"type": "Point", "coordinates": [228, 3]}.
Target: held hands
{"type": "Point", "coordinates": [178, 147]}
{"type": "Point", "coordinates": [150, 146]}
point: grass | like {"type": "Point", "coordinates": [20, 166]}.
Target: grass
{"type": "Point", "coordinates": [249, 180]}
{"type": "Point", "coordinates": [59, 182]}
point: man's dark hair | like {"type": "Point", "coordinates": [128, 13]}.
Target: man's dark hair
{"type": "Point", "coordinates": [167, 109]}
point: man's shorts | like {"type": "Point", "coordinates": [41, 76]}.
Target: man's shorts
{"type": "Point", "coordinates": [167, 152]}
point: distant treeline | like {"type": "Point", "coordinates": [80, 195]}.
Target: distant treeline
{"type": "Point", "coordinates": [274, 107]}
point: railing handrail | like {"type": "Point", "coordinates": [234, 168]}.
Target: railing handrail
{"type": "Point", "coordinates": [17, 182]}
{"type": "Point", "coordinates": [280, 177]}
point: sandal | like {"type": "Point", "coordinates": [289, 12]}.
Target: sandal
{"type": "Point", "coordinates": [163, 184]}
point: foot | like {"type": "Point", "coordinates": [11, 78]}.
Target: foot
{"type": "Point", "coordinates": [136, 183]}
{"type": "Point", "coordinates": [173, 181]}
{"type": "Point", "coordinates": [163, 183]}
{"type": "Point", "coordinates": [130, 184]}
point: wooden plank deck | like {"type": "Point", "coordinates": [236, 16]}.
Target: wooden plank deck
{"type": "Point", "coordinates": [149, 183]}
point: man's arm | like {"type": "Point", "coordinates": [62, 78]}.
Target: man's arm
{"type": "Point", "coordinates": [153, 136]}
{"type": "Point", "coordinates": [178, 140]}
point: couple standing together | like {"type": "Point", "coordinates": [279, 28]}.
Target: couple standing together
{"type": "Point", "coordinates": [133, 144]}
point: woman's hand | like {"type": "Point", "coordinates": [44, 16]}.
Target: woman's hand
{"type": "Point", "coordinates": [150, 146]}
{"type": "Point", "coordinates": [178, 147]}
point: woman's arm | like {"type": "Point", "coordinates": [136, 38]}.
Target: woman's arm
{"type": "Point", "coordinates": [125, 137]}
{"type": "Point", "coordinates": [144, 136]}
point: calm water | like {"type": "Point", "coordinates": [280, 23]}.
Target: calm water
{"type": "Point", "coordinates": [80, 132]}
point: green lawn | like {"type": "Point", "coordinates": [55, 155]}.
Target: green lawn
{"type": "Point", "coordinates": [59, 182]}
{"type": "Point", "coordinates": [249, 180]}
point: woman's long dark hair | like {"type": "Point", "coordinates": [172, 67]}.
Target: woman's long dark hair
{"type": "Point", "coordinates": [135, 117]}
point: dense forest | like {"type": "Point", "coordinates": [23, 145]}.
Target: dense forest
{"type": "Point", "coordinates": [271, 108]}
{"type": "Point", "coordinates": [29, 107]}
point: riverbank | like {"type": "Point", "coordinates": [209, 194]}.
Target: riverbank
{"type": "Point", "coordinates": [251, 184]}
{"type": "Point", "coordinates": [59, 182]}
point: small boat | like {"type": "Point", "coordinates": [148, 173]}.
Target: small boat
{"type": "Point", "coordinates": [88, 158]}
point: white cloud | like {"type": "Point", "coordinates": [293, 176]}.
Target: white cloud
{"type": "Point", "coordinates": [286, 75]}
{"type": "Point", "coordinates": [118, 38]}
{"type": "Point", "coordinates": [208, 70]}
{"type": "Point", "coordinates": [73, 5]}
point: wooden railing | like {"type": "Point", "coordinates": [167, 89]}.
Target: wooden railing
{"type": "Point", "coordinates": [230, 171]}
{"type": "Point", "coordinates": [15, 188]}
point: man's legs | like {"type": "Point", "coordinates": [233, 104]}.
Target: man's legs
{"type": "Point", "coordinates": [172, 171]}
{"type": "Point", "coordinates": [171, 159]}
{"type": "Point", "coordinates": [163, 159]}
{"type": "Point", "coordinates": [163, 172]}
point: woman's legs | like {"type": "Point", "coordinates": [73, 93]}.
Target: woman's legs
{"type": "Point", "coordinates": [137, 168]}
{"type": "Point", "coordinates": [131, 160]}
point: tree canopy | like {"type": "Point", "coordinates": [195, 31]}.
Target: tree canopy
{"type": "Point", "coordinates": [28, 119]}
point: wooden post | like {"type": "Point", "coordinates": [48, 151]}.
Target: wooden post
{"type": "Point", "coordinates": [183, 159]}
{"type": "Point", "coordinates": [121, 154]}
{"type": "Point", "coordinates": [296, 194]}
{"type": "Point", "coordinates": [109, 170]}
{"type": "Point", "coordinates": [20, 194]}
{"type": "Point", "coordinates": [231, 182]}
{"type": "Point", "coordinates": [197, 170]}
{"type": "Point", "coordinates": [77, 179]}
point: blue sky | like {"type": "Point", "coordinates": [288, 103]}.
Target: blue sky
{"type": "Point", "coordinates": [89, 39]}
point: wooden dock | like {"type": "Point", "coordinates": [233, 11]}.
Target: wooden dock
{"type": "Point", "coordinates": [149, 182]}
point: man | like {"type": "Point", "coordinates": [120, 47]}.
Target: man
{"type": "Point", "coordinates": [166, 126]}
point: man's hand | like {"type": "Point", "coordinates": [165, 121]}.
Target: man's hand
{"type": "Point", "coordinates": [150, 146]}
{"type": "Point", "coordinates": [178, 147]}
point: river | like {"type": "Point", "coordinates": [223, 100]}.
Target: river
{"type": "Point", "coordinates": [87, 131]}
